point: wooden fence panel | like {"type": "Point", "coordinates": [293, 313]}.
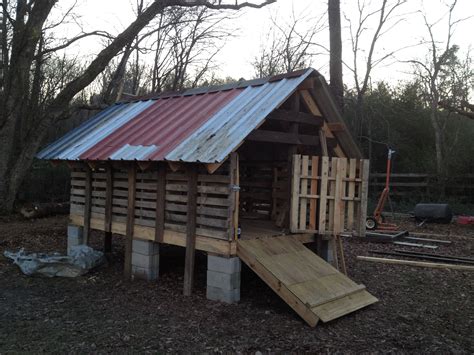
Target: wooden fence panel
{"type": "Point", "coordinates": [329, 195]}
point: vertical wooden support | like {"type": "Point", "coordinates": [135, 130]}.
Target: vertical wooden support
{"type": "Point", "coordinates": [323, 195]}
{"type": "Point", "coordinates": [332, 192]}
{"type": "Point", "coordinates": [132, 180]}
{"type": "Point", "coordinates": [323, 143]}
{"type": "Point", "coordinates": [109, 188]}
{"type": "Point", "coordinates": [292, 150]}
{"type": "Point", "coordinates": [313, 204]}
{"type": "Point", "coordinates": [338, 202]}
{"type": "Point", "coordinates": [233, 217]}
{"type": "Point", "coordinates": [192, 173]}
{"type": "Point", "coordinates": [294, 175]}
{"type": "Point", "coordinates": [351, 194]}
{"type": "Point", "coordinates": [274, 191]}
{"type": "Point", "coordinates": [364, 175]}
{"type": "Point", "coordinates": [304, 192]}
{"type": "Point", "coordinates": [160, 202]}
{"type": "Point", "coordinates": [87, 204]}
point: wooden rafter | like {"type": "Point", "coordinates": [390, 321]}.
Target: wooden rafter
{"type": "Point", "coordinates": [296, 117]}
{"type": "Point", "coordinates": [287, 138]}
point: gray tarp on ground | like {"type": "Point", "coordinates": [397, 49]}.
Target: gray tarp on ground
{"type": "Point", "coordinates": [81, 259]}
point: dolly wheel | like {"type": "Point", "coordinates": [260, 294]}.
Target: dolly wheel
{"type": "Point", "coordinates": [370, 223]}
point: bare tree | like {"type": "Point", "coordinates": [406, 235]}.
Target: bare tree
{"type": "Point", "coordinates": [23, 28]}
{"type": "Point", "coordinates": [335, 52]}
{"type": "Point", "coordinates": [289, 45]}
{"type": "Point", "coordinates": [386, 20]}
{"type": "Point", "coordinates": [445, 79]}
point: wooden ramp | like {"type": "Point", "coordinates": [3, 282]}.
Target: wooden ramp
{"type": "Point", "coordinates": [312, 287]}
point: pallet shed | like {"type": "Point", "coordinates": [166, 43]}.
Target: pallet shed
{"type": "Point", "coordinates": [249, 170]}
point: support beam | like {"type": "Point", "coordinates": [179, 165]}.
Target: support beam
{"type": "Point", "coordinates": [192, 173]}
{"type": "Point", "coordinates": [174, 166]}
{"type": "Point", "coordinates": [296, 117]}
{"type": "Point", "coordinates": [109, 188]}
{"type": "Point", "coordinates": [87, 204]}
{"type": "Point", "coordinates": [362, 213]}
{"type": "Point", "coordinates": [324, 143]}
{"type": "Point", "coordinates": [160, 202]}
{"type": "Point", "coordinates": [212, 167]}
{"type": "Point", "coordinates": [314, 109]}
{"type": "Point", "coordinates": [323, 98]}
{"type": "Point", "coordinates": [292, 150]}
{"type": "Point", "coordinates": [132, 181]}
{"type": "Point", "coordinates": [287, 138]}
{"type": "Point", "coordinates": [234, 196]}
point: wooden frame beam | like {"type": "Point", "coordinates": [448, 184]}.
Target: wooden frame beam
{"type": "Point", "coordinates": [234, 196]}
{"type": "Point", "coordinates": [192, 172]}
{"type": "Point", "coordinates": [87, 204]}
{"type": "Point", "coordinates": [160, 202]}
{"type": "Point", "coordinates": [288, 138]}
{"type": "Point", "coordinates": [132, 181]}
{"type": "Point", "coordinates": [296, 117]}
{"type": "Point", "coordinates": [109, 187]}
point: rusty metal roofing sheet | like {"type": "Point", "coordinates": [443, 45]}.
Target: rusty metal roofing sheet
{"type": "Point", "coordinates": [166, 123]}
{"type": "Point", "coordinates": [221, 134]}
{"type": "Point", "coordinates": [73, 144]}
{"type": "Point", "coordinates": [201, 125]}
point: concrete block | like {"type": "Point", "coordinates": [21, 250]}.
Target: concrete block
{"type": "Point", "coordinates": [74, 231]}
{"type": "Point", "coordinates": [225, 265]}
{"type": "Point", "coordinates": [222, 280]}
{"type": "Point", "coordinates": [219, 294]}
{"type": "Point", "coordinates": [326, 251]}
{"type": "Point", "coordinates": [146, 261]}
{"type": "Point", "coordinates": [145, 247]}
{"type": "Point", "coordinates": [75, 237]}
{"type": "Point", "coordinates": [144, 274]}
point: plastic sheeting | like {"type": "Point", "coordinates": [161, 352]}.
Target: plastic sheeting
{"type": "Point", "coordinates": [81, 259]}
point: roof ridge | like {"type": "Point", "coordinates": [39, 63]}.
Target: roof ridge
{"type": "Point", "coordinates": [241, 84]}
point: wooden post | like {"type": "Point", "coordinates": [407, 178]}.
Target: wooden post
{"type": "Point", "coordinates": [313, 204]}
{"type": "Point", "coordinates": [87, 204]}
{"type": "Point", "coordinates": [292, 150]}
{"type": "Point", "coordinates": [295, 173]}
{"type": "Point", "coordinates": [364, 189]}
{"type": "Point", "coordinates": [233, 217]}
{"type": "Point", "coordinates": [323, 195]}
{"type": "Point", "coordinates": [132, 180]}
{"type": "Point", "coordinates": [109, 188]}
{"type": "Point", "coordinates": [160, 202]}
{"type": "Point", "coordinates": [192, 173]}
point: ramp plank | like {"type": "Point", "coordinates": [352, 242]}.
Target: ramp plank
{"type": "Point", "coordinates": [342, 306]}
{"type": "Point", "coordinates": [313, 288]}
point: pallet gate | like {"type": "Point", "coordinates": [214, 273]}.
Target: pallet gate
{"type": "Point", "coordinates": [309, 285]}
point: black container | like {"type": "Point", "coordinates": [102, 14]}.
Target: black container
{"type": "Point", "coordinates": [433, 212]}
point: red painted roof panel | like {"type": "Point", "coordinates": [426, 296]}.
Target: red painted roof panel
{"type": "Point", "coordinates": [165, 124]}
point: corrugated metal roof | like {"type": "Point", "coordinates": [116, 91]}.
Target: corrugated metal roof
{"type": "Point", "coordinates": [221, 134]}
{"type": "Point", "coordinates": [166, 123]}
{"type": "Point", "coordinates": [76, 142]}
{"type": "Point", "coordinates": [199, 125]}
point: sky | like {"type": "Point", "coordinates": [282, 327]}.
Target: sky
{"type": "Point", "coordinates": [252, 25]}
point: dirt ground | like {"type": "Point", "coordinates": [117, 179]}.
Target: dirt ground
{"type": "Point", "coordinates": [420, 310]}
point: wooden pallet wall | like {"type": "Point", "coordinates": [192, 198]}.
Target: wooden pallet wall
{"type": "Point", "coordinates": [213, 201]}
{"type": "Point", "coordinates": [329, 195]}
{"type": "Point", "coordinates": [263, 189]}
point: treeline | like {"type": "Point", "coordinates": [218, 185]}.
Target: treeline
{"type": "Point", "coordinates": [398, 116]}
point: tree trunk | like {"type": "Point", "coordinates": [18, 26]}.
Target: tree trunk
{"type": "Point", "coordinates": [335, 52]}
{"type": "Point", "coordinates": [439, 149]}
